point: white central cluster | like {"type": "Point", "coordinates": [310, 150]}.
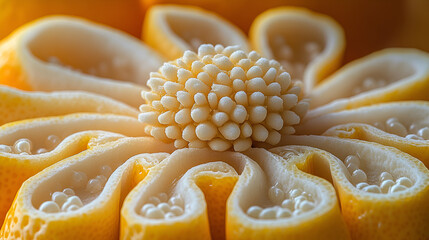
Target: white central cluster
{"type": "Point", "coordinates": [221, 98]}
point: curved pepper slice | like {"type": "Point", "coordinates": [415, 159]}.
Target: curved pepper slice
{"type": "Point", "coordinates": [383, 192]}
{"type": "Point", "coordinates": [173, 29]}
{"type": "Point", "coordinates": [383, 76]}
{"type": "Point", "coordinates": [79, 197]}
{"type": "Point", "coordinates": [309, 45]}
{"type": "Point", "coordinates": [86, 55]}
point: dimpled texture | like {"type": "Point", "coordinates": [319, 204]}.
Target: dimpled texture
{"type": "Point", "coordinates": [222, 98]}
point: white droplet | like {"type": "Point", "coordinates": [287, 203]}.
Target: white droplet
{"type": "Point", "coordinates": [385, 176]}
{"type": "Point", "coordinates": [283, 213]}
{"type": "Point", "coordinates": [386, 185]}
{"type": "Point", "coordinates": [268, 213]}
{"type": "Point", "coordinates": [361, 185]}
{"type": "Point", "coordinates": [177, 210]}
{"type": "Point", "coordinates": [397, 188]}
{"type": "Point", "coordinates": [372, 189]}
{"type": "Point", "coordinates": [306, 205]}
{"type": "Point", "coordinates": [359, 176]}
{"type": "Point", "coordinates": [275, 194]}
{"type": "Point", "coordinates": [94, 186]}
{"type": "Point", "coordinates": [154, 200]}
{"type": "Point", "coordinates": [23, 146]}
{"type": "Point", "coordinates": [59, 197]}
{"type": "Point", "coordinates": [146, 207]}
{"type": "Point", "coordinates": [69, 192]}
{"type": "Point", "coordinates": [52, 141]}
{"type": "Point", "coordinates": [155, 213]}
{"type": "Point", "coordinates": [49, 207]}
{"type": "Point", "coordinates": [254, 211]}
{"type": "Point", "coordinates": [78, 179]}
{"type": "Point", "coordinates": [288, 203]}
{"type": "Point", "coordinates": [404, 181]}
{"type": "Point", "coordinates": [105, 170]}
{"type": "Point", "coordinates": [164, 207]}
{"type": "Point", "coordinates": [295, 193]}
{"type": "Point", "coordinates": [5, 148]}
{"type": "Point", "coordinates": [424, 133]}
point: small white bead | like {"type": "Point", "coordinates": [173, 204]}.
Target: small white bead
{"type": "Point", "coordinates": [177, 210]}
{"type": "Point", "coordinates": [164, 207]}
{"type": "Point", "coordinates": [200, 114]}
{"type": "Point", "coordinates": [289, 100]}
{"type": "Point", "coordinates": [396, 128]}
{"type": "Point", "coordinates": [270, 75]}
{"type": "Point", "coordinates": [154, 213]}
{"type": "Point", "coordinates": [254, 72]}
{"type": "Point", "coordinates": [79, 179]}
{"type": "Point", "coordinates": [74, 200]}
{"type": "Point", "coordinates": [306, 205]}
{"type": "Point", "coordinates": [69, 192]}
{"type": "Point", "coordinates": [359, 176]}
{"type": "Point", "coordinates": [170, 103]}
{"type": "Point", "coordinates": [221, 90]}
{"type": "Point", "coordinates": [257, 114]}
{"type": "Point", "coordinates": [385, 176]}
{"type": "Point", "coordinates": [223, 63]}
{"type": "Point", "coordinates": [298, 200]}
{"type": "Point", "coordinates": [246, 130]}
{"type": "Point", "coordinates": [239, 114]}
{"type": "Point", "coordinates": [276, 195]}
{"type": "Point", "coordinates": [150, 118]}
{"type": "Point", "coordinates": [424, 133]}
{"type": "Point", "coordinates": [372, 189]}
{"type": "Point", "coordinates": [206, 131]}
{"type": "Point", "coordinates": [256, 85]}
{"type": "Point", "coordinates": [294, 193]}
{"type": "Point", "coordinates": [184, 98]}
{"type": "Point", "coordinates": [226, 104]}
{"type": "Point", "coordinates": [52, 141]}
{"type": "Point", "coordinates": [213, 100]}
{"type": "Point", "coordinates": [5, 148]}
{"type": "Point", "coordinates": [238, 85]}
{"type": "Point", "coordinates": [273, 138]}
{"type": "Point", "coordinates": [288, 203]}
{"type": "Point", "coordinates": [211, 70]}
{"type": "Point", "coordinates": [223, 78]}
{"type": "Point", "coordinates": [59, 197]}
{"type": "Point", "coordinates": [397, 188]}
{"type": "Point", "coordinates": [94, 186]}
{"type": "Point", "coordinates": [352, 159]}
{"type": "Point", "coordinates": [254, 211]}
{"type": "Point", "coordinates": [219, 144]}
{"type": "Point", "coordinates": [242, 144]}
{"type": "Point", "coordinates": [361, 185]}
{"type": "Point", "coordinates": [275, 104]}
{"type": "Point", "coordinates": [256, 99]}
{"type": "Point", "coordinates": [259, 133]}
{"type": "Point", "coordinates": [230, 131]}
{"type": "Point", "coordinates": [205, 78]}
{"type": "Point", "coordinates": [146, 207]}
{"type": "Point", "coordinates": [72, 208]}
{"type": "Point", "coordinates": [238, 73]}
{"type": "Point", "coordinates": [352, 167]}
{"type": "Point", "coordinates": [166, 118]}
{"type": "Point", "coordinates": [23, 145]}
{"type": "Point", "coordinates": [273, 89]}
{"type": "Point", "coordinates": [241, 98]}
{"type": "Point", "coordinates": [194, 86]}
{"type": "Point", "coordinates": [49, 207]}
{"type": "Point", "coordinates": [176, 201]}
{"type": "Point", "coordinates": [220, 118]}
{"type": "Point", "coordinates": [183, 116]}
{"type": "Point", "coordinates": [268, 213]}
{"type": "Point", "coordinates": [290, 118]}
{"type": "Point", "coordinates": [200, 99]}
{"type": "Point", "coordinates": [404, 181]}
{"type": "Point", "coordinates": [275, 121]}
{"type": "Point", "coordinates": [386, 185]}
{"type": "Point", "coordinates": [283, 213]}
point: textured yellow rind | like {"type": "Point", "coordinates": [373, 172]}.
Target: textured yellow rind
{"type": "Point", "coordinates": [402, 215]}
{"type": "Point", "coordinates": [104, 60]}
{"type": "Point", "coordinates": [191, 22]}
{"type": "Point", "coordinates": [99, 219]}
{"type": "Point", "coordinates": [201, 179]}
{"type": "Point", "coordinates": [409, 65]}
{"type": "Point", "coordinates": [325, 223]}
{"type": "Point", "coordinates": [17, 105]}
{"type": "Point", "coordinates": [271, 21]}
{"type": "Point", "coordinates": [79, 130]}
{"type": "Point", "coordinates": [359, 124]}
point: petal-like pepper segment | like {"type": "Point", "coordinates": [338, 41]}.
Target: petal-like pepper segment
{"type": "Point", "coordinates": [86, 55]}
{"type": "Point", "coordinates": [80, 197]}
{"type": "Point", "coordinates": [383, 192]}
{"type": "Point", "coordinates": [173, 29]}
{"type": "Point", "coordinates": [383, 76]}
{"type": "Point", "coordinates": [309, 45]}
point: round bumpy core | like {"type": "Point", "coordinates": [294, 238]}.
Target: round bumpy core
{"type": "Point", "coordinates": [221, 98]}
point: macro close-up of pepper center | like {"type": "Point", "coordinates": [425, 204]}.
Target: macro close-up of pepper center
{"type": "Point", "coordinates": [186, 119]}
